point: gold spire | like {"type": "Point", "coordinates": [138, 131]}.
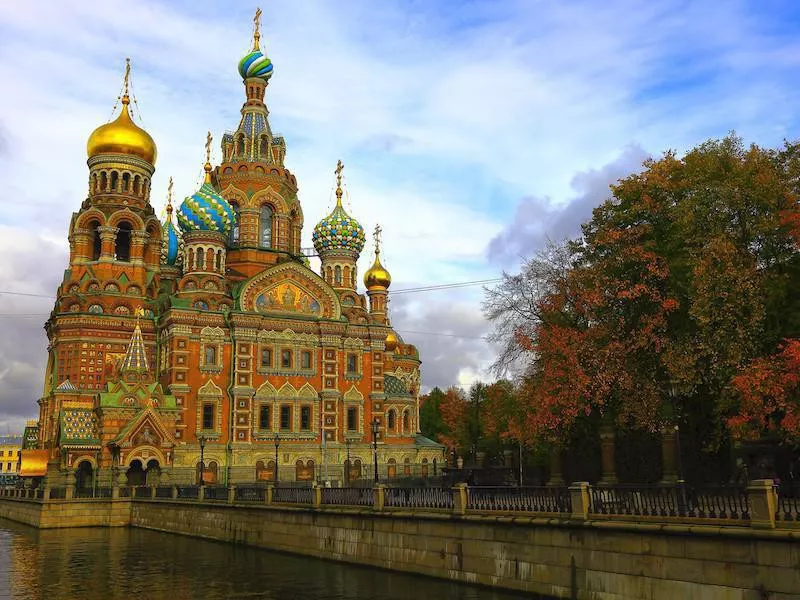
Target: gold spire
{"type": "Point", "coordinates": [376, 277]}
{"type": "Point", "coordinates": [169, 200]}
{"type": "Point", "coordinates": [257, 29]}
{"type": "Point", "coordinates": [207, 166]}
{"type": "Point", "coordinates": [338, 171]}
{"type": "Point", "coordinates": [122, 135]}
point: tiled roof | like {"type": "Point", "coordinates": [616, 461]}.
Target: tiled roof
{"type": "Point", "coordinates": [394, 387]}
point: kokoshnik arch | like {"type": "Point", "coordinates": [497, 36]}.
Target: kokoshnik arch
{"type": "Point", "coordinates": [217, 329]}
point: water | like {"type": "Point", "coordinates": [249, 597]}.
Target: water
{"type": "Point", "coordinates": [136, 564]}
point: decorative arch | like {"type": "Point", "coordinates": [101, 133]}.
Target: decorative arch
{"type": "Point", "coordinates": [138, 454]}
{"type": "Point", "coordinates": [126, 214]}
{"type": "Point", "coordinates": [266, 390]}
{"type": "Point", "coordinates": [307, 392]}
{"type": "Point", "coordinates": [353, 395]}
{"type": "Point", "coordinates": [287, 390]}
{"type": "Point", "coordinates": [270, 196]}
{"type": "Point", "coordinates": [82, 222]}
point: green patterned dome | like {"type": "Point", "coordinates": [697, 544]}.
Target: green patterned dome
{"type": "Point", "coordinates": [338, 231]}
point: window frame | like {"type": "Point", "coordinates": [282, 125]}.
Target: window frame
{"type": "Point", "coordinates": [285, 409]}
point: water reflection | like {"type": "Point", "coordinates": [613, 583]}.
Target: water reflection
{"type": "Point", "coordinates": [109, 564]}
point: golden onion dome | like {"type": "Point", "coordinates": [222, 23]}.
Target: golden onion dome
{"type": "Point", "coordinates": [122, 136]}
{"type": "Point", "coordinates": [391, 341]}
{"type": "Point", "coordinates": [376, 276]}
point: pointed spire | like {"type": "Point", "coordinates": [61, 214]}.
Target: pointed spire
{"type": "Point", "coordinates": [169, 200]}
{"type": "Point", "coordinates": [257, 29]}
{"type": "Point", "coordinates": [338, 171]}
{"type": "Point", "coordinates": [207, 167]}
{"type": "Point", "coordinates": [136, 356]}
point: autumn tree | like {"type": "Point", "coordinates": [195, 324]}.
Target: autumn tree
{"type": "Point", "coordinates": [430, 416]}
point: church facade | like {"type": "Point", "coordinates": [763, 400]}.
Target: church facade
{"type": "Point", "coordinates": [205, 345]}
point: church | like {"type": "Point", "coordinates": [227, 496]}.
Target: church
{"type": "Point", "coordinates": [205, 348]}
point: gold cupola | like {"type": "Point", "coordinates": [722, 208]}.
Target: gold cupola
{"type": "Point", "coordinates": [376, 276]}
{"type": "Point", "coordinates": [122, 135]}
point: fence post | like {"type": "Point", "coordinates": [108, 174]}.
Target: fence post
{"type": "Point", "coordinates": [46, 494]}
{"type": "Point", "coordinates": [152, 492]}
{"type": "Point", "coordinates": [115, 492]}
{"type": "Point", "coordinates": [579, 495]}
{"type": "Point", "coordinates": [378, 496]}
{"type": "Point", "coordinates": [231, 494]}
{"type": "Point", "coordinates": [460, 498]}
{"type": "Point", "coordinates": [174, 492]}
{"type": "Point", "coordinates": [268, 493]}
{"type": "Point", "coordinates": [70, 492]}
{"type": "Point", "coordinates": [317, 497]}
{"type": "Point", "coordinates": [763, 502]}
{"type": "Point", "coordinates": [201, 493]}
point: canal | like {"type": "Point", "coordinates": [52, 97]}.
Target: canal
{"type": "Point", "coordinates": [136, 564]}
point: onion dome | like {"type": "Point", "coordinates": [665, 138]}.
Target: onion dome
{"type": "Point", "coordinates": [255, 64]}
{"type": "Point", "coordinates": [338, 231]}
{"type": "Point", "coordinates": [391, 342]}
{"type": "Point", "coordinates": [171, 238]}
{"type": "Point", "coordinates": [376, 276]}
{"type": "Point", "coordinates": [206, 210]}
{"type": "Point", "coordinates": [122, 135]}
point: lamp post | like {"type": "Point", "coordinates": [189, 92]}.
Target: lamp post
{"type": "Point", "coordinates": [202, 440]}
{"type": "Point", "coordinates": [676, 389]}
{"type": "Point", "coordinates": [277, 445]}
{"type": "Point", "coordinates": [347, 467]}
{"type": "Point", "coordinates": [375, 427]}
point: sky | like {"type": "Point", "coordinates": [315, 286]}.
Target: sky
{"type": "Point", "coordinates": [472, 131]}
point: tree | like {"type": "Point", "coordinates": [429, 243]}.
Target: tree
{"type": "Point", "coordinates": [430, 417]}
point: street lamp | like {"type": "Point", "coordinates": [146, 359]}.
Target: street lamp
{"type": "Point", "coordinates": [347, 468]}
{"type": "Point", "coordinates": [277, 445]}
{"type": "Point", "coordinates": [202, 440]}
{"type": "Point", "coordinates": [375, 426]}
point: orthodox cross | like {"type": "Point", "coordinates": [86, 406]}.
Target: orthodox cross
{"type": "Point", "coordinates": [169, 198]}
{"type": "Point", "coordinates": [208, 147]}
{"type": "Point", "coordinates": [257, 31]}
{"type": "Point", "coordinates": [377, 237]}
{"type": "Point", "coordinates": [338, 171]}
{"type": "Point", "coordinates": [127, 76]}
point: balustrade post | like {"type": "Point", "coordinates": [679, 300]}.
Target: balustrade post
{"type": "Point", "coordinates": [201, 493]}
{"type": "Point", "coordinates": [231, 494]}
{"type": "Point", "coordinates": [69, 492]}
{"type": "Point", "coordinates": [763, 500]}
{"type": "Point", "coordinates": [174, 492]}
{"type": "Point", "coordinates": [379, 496]}
{"type": "Point", "coordinates": [579, 495]}
{"type": "Point", "coordinates": [317, 496]}
{"type": "Point", "coordinates": [268, 493]}
{"type": "Point", "coordinates": [115, 492]}
{"type": "Point", "coordinates": [46, 493]}
{"type": "Point", "coordinates": [460, 498]}
{"type": "Point", "coordinates": [152, 492]}
{"type": "Point", "coordinates": [556, 477]}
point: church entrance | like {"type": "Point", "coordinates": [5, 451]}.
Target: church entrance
{"type": "Point", "coordinates": [136, 474]}
{"type": "Point", "coordinates": [152, 474]}
{"type": "Point", "coordinates": [84, 476]}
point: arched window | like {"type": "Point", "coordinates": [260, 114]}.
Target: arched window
{"type": "Point", "coordinates": [406, 422]}
{"type": "Point", "coordinates": [211, 355]}
{"type": "Point", "coordinates": [392, 420]}
{"type": "Point", "coordinates": [201, 254]}
{"type": "Point", "coordinates": [122, 250]}
{"type": "Point", "coordinates": [337, 275]}
{"type": "Point", "coordinates": [219, 261]}
{"type": "Point", "coordinates": [235, 228]}
{"type": "Point", "coordinates": [114, 179]}
{"type": "Point", "coordinates": [97, 242]}
{"type": "Point", "coordinates": [265, 238]}
{"type": "Point", "coordinates": [126, 182]}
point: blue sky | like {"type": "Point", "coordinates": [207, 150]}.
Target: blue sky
{"type": "Point", "coordinates": [470, 130]}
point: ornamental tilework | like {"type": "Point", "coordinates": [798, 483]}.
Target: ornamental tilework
{"type": "Point", "coordinates": [78, 425]}
{"type": "Point", "coordinates": [338, 231]}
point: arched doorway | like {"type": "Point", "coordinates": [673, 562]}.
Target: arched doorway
{"type": "Point", "coordinates": [304, 472]}
{"type": "Point", "coordinates": [391, 469]}
{"type": "Point", "coordinates": [265, 471]}
{"type": "Point", "coordinates": [136, 474]}
{"type": "Point", "coordinates": [152, 474]}
{"type": "Point", "coordinates": [407, 467]}
{"type": "Point", "coordinates": [84, 475]}
{"type": "Point", "coordinates": [424, 470]}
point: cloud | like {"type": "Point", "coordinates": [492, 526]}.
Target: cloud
{"type": "Point", "coordinates": [538, 219]}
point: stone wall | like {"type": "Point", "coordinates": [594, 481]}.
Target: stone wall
{"type": "Point", "coordinates": [68, 513]}
{"type": "Point", "coordinates": [593, 560]}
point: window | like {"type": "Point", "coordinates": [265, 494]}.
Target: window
{"type": "Point", "coordinates": [266, 357]}
{"type": "Point", "coordinates": [1, 466]}
{"type": "Point", "coordinates": [208, 416]}
{"type": "Point", "coordinates": [122, 249]}
{"type": "Point", "coordinates": [352, 417]}
{"type": "Point", "coordinates": [352, 363]}
{"type": "Point", "coordinates": [2, 452]}
{"type": "Point", "coordinates": [199, 259]}
{"type": "Point", "coordinates": [305, 359]}
{"type": "Point", "coordinates": [235, 228]}
{"type": "Point", "coordinates": [337, 275]}
{"type": "Point", "coordinates": [286, 417]}
{"type": "Point", "coordinates": [392, 419]}
{"type": "Point", "coordinates": [406, 423]}
{"type": "Point", "coordinates": [8, 466]}
{"type": "Point", "coordinates": [265, 239]}
{"type": "Point", "coordinates": [305, 418]}
{"type": "Point", "coordinates": [264, 417]}
{"type": "Point", "coordinates": [211, 355]}
{"type": "Point", "coordinates": [286, 359]}
{"type": "Point", "coordinates": [97, 242]}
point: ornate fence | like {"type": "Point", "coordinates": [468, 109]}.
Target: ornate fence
{"type": "Point", "coordinates": [520, 499]}
{"type": "Point", "coordinates": [671, 501]}
{"type": "Point", "coordinates": [436, 498]}
{"type": "Point", "coordinates": [348, 496]}
{"type": "Point", "coordinates": [293, 495]}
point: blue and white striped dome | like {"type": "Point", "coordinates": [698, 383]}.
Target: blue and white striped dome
{"type": "Point", "coordinates": [255, 64]}
{"type": "Point", "coordinates": [171, 242]}
{"type": "Point", "coordinates": [206, 210]}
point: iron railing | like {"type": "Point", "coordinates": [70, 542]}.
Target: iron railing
{"type": "Point", "coordinates": [164, 491]}
{"type": "Point", "coordinates": [216, 492]}
{"type": "Point", "coordinates": [348, 496]}
{"type": "Point", "coordinates": [250, 493]}
{"type": "Point", "coordinates": [190, 492]}
{"type": "Point", "coordinates": [671, 501]}
{"type": "Point", "coordinates": [437, 498]}
{"type": "Point", "coordinates": [520, 499]}
{"type": "Point", "coordinates": [293, 495]}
